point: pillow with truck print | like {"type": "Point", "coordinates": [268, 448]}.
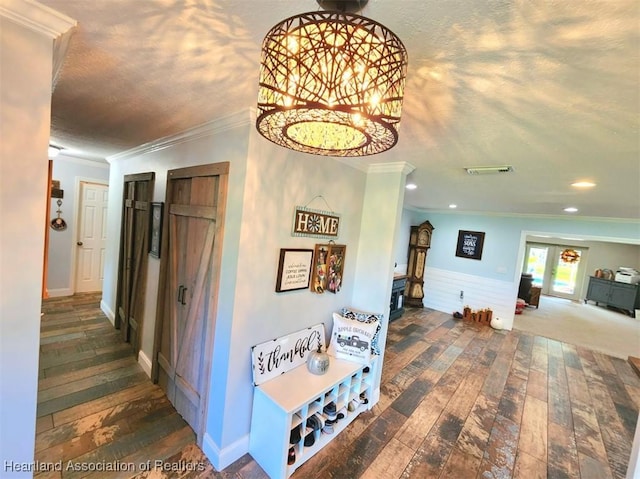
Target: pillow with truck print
{"type": "Point", "coordinates": [351, 339]}
{"type": "Point", "coordinates": [366, 317]}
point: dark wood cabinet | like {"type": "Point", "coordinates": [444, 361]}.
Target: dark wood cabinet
{"type": "Point", "coordinates": [396, 308]}
{"type": "Point", "coordinates": [613, 293]}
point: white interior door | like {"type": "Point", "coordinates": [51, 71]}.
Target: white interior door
{"type": "Point", "coordinates": [92, 236]}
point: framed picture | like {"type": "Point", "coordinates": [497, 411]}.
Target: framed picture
{"type": "Point", "coordinates": [470, 244]}
{"type": "Point", "coordinates": [294, 269]}
{"type": "Point", "coordinates": [328, 267]}
{"type": "Point", "coordinates": [155, 229]}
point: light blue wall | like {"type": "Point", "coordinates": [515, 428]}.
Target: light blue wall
{"type": "Point", "coordinates": [504, 240]}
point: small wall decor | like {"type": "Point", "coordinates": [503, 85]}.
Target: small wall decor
{"type": "Point", "coordinates": [56, 192]}
{"type": "Point", "coordinates": [275, 357]}
{"type": "Point", "coordinates": [294, 269]}
{"type": "Point", "coordinates": [570, 256]}
{"type": "Point", "coordinates": [470, 244]}
{"type": "Point", "coordinates": [328, 267]}
{"type": "Point", "coordinates": [155, 229]}
{"type": "Point", "coordinates": [58, 224]}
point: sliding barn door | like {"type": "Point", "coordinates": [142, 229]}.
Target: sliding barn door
{"type": "Point", "coordinates": [190, 272]}
{"type": "Point", "coordinates": [134, 247]}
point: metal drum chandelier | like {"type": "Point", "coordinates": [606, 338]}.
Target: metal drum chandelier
{"type": "Point", "coordinates": [332, 84]}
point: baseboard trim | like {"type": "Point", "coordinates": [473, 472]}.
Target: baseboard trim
{"type": "Point", "coordinates": [145, 362]}
{"type": "Point", "coordinates": [107, 311]}
{"type": "Point", "coordinates": [57, 293]}
{"type": "Point", "coordinates": [221, 458]}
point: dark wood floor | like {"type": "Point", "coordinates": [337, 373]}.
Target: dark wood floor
{"type": "Point", "coordinates": [458, 400]}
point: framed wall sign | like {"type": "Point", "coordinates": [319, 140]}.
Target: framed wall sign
{"type": "Point", "coordinates": [294, 269]}
{"type": "Point", "coordinates": [328, 267]}
{"type": "Point", "coordinates": [155, 229]}
{"type": "Point", "coordinates": [470, 244]}
{"type": "Point", "coordinates": [315, 223]}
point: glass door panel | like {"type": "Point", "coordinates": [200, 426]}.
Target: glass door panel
{"type": "Point", "coordinates": [550, 272]}
{"type": "Point", "coordinates": [565, 274]}
{"type": "Point", "coordinates": [536, 260]}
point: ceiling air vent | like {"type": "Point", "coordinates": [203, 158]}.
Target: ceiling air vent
{"type": "Point", "coordinates": [489, 170]}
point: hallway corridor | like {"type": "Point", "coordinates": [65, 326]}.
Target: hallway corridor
{"type": "Point", "coordinates": [96, 406]}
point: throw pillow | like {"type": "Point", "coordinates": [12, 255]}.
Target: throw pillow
{"type": "Point", "coordinates": [351, 339]}
{"type": "Point", "coordinates": [366, 317]}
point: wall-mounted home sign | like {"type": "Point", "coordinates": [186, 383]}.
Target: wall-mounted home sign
{"type": "Point", "coordinates": [315, 223]}
{"type": "Point", "coordinates": [276, 357]}
{"type": "Point", "coordinates": [470, 244]}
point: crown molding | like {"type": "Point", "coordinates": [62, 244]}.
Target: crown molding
{"type": "Point", "coordinates": [219, 125]}
{"type": "Point", "coordinates": [388, 167]}
{"type": "Point", "coordinates": [82, 161]}
{"type": "Point", "coordinates": [36, 17]}
{"type": "Point", "coordinates": [394, 167]}
{"type": "Point", "coordinates": [567, 217]}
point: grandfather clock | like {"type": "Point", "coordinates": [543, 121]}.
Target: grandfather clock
{"type": "Point", "coordinates": [419, 244]}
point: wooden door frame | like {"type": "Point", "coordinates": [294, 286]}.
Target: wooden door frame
{"type": "Point", "coordinates": [212, 169]}
{"type": "Point", "coordinates": [150, 177]}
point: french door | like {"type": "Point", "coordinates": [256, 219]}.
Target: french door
{"type": "Point", "coordinates": [556, 269]}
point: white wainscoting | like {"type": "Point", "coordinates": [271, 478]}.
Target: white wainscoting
{"type": "Point", "coordinates": [442, 293]}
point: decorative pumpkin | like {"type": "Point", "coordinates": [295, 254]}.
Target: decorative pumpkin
{"type": "Point", "coordinates": [497, 323]}
{"type": "Point", "coordinates": [318, 361]}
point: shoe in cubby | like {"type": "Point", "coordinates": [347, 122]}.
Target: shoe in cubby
{"type": "Point", "coordinates": [330, 411]}
{"type": "Point", "coordinates": [294, 437]}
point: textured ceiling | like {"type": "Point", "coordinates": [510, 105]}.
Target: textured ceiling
{"type": "Point", "coordinates": [550, 87]}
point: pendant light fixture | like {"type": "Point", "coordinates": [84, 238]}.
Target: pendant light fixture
{"type": "Point", "coordinates": [331, 83]}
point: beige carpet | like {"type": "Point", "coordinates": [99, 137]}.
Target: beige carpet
{"type": "Point", "coordinates": [588, 325]}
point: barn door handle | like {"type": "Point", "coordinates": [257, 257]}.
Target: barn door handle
{"type": "Point", "coordinates": [180, 293]}
{"type": "Point", "coordinates": [184, 290]}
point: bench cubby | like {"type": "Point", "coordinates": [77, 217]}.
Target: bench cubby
{"type": "Point", "coordinates": [287, 401]}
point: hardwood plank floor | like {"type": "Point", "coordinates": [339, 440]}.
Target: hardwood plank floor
{"type": "Point", "coordinates": [458, 400]}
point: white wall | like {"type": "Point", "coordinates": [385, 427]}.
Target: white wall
{"type": "Point", "coordinates": [25, 99]}
{"type": "Point", "coordinates": [62, 244]}
{"type": "Point", "coordinates": [505, 237]}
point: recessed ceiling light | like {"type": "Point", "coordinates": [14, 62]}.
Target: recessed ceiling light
{"type": "Point", "coordinates": [453, 206]}
{"type": "Point", "coordinates": [411, 186]}
{"type": "Point", "coordinates": [583, 184]}
{"type": "Point", "coordinates": [571, 209]}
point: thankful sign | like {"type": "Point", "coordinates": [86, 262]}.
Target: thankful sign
{"type": "Point", "coordinates": [315, 223]}
{"type": "Point", "coordinates": [275, 357]}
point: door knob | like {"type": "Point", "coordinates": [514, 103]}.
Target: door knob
{"type": "Point", "coordinates": [79, 243]}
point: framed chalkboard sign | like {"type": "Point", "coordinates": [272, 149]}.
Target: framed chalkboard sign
{"type": "Point", "coordinates": [470, 244]}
